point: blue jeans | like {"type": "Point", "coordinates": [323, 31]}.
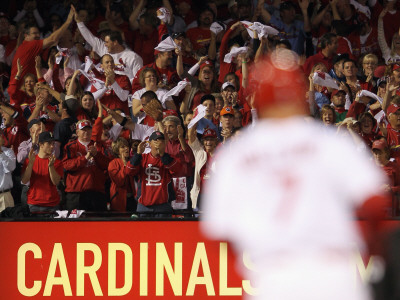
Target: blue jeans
{"type": "Point", "coordinates": [159, 210]}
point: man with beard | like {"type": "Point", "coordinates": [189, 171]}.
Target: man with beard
{"type": "Point", "coordinates": [200, 36]}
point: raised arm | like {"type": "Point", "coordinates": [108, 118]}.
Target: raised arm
{"type": "Point", "coordinates": [381, 36]}
{"type": "Point", "coordinates": [97, 44]}
{"type": "Point", "coordinates": [304, 6]}
{"type": "Point", "coordinates": [56, 35]}
{"type": "Point", "coordinates": [133, 18]}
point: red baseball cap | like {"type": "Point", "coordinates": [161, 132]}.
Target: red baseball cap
{"type": "Point", "coordinates": [392, 109]}
{"type": "Point", "coordinates": [208, 132]}
{"type": "Point", "coordinates": [395, 67]}
{"type": "Point", "coordinates": [207, 63]}
{"type": "Point", "coordinates": [279, 81]}
{"type": "Point", "coordinates": [380, 144]}
{"type": "Point", "coordinates": [82, 124]}
{"type": "Point", "coordinates": [227, 110]}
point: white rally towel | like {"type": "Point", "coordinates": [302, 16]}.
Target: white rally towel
{"type": "Point", "coordinates": [165, 15]}
{"type": "Point", "coordinates": [181, 195]}
{"type": "Point", "coordinates": [89, 64]}
{"type": "Point", "coordinates": [76, 213]}
{"type": "Point", "coordinates": [325, 79]}
{"type": "Point", "coordinates": [175, 91]}
{"type": "Point", "coordinates": [61, 214]}
{"type": "Point", "coordinates": [64, 53]}
{"type": "Point", "coordinates": [361, 8]}
{"type": "Point", "coordinates": [263, 30]}
{"type": "Point", "coordinates": [250, 31]}
{"type": "Point", "coordinates": [371, 95]}
{"type": "Point", "coordinates": [380, 117]}
{"type": "Point", "coordinates": [235, 51]}
{"type": "Point", "coordinates": [198, 113]}
{"type": "Point", "coordinates": [97, 83]}
{"type": "Point", "coordinates": [166, 45]}
{"type": "Point", "coordinates": [217, 27]}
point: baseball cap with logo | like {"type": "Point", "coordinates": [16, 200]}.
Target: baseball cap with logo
{"type": "Point", "coordinates": [228, 84]}
{"type": "Point", "coordinates": [46, 136]}
{"type": "Point", "coordinates": [380, 144]}
{"type": "Point", "coordinates": [82, 124]}
{"type": "Point", "coordinates": [207, 63]}
{"type": "Point", "coordinates": [393, 108]}
{"type": "Point", "coordinates": [227, 110]}
{"type": "Point", "coordinates": [156, 135]}
{"type": "Point", "coordinates": [208, 132]}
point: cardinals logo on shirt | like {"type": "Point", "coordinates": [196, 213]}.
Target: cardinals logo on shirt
{"type": "Point", "coordinates": [153, 176]}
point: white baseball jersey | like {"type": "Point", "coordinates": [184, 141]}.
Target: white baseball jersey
{"type": "Point", "coordinates": [286, 189]}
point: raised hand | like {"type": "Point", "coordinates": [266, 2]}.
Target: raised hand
{"type": "Point", "coordinates": [180, 132]}
{"type": "Point", "coordinates": [141, 147]}
{"type": "Point", "coordinates": [31, 156]}
{"type": "Point", "coordinates": [92, 150]}
{"type": "Point", "coordinates": [52, 159]}
{"type": "Point", "coordinates": [38, 62]}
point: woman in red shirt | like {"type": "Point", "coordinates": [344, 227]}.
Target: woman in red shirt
{"type": "Point", "coordinates": [22, 91]}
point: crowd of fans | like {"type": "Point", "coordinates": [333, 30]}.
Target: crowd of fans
{"type": "Point", "coordinates": [98, 97]}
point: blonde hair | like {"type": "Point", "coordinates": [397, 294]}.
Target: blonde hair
{"type": "Point", "coordinates": [370, 56]}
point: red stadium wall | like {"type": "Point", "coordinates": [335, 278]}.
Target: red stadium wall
{"type": "Point", "coordinates": [151, 259]}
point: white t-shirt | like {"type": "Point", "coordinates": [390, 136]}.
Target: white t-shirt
{"type": "Point", "coordinates": [126, 62]}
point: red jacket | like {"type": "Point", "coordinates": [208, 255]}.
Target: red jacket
{"type": "Point", "coordinates": [121, 184]}
{"type": "Point", "coordinates": [186, 158]}
{"type": "Point", "coordinates": [155, 176]}
{"type": "Point", "coordinates": [83, 175]}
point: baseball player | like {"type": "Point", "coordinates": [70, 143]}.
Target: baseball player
{"type": "Point", "coordinates": [285, 192]}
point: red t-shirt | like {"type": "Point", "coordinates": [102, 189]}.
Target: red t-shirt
{"type": "Point", "coordinates": [26, 54]}
{"type": "Point", "coordinates": [199, 37]}
{"type": "Point", "coordinates": [41, 190]}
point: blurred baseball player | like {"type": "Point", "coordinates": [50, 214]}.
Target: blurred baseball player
{"type": "Point", "coordinates": [286, 192]}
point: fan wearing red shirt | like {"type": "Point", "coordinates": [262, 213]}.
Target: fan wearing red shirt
{"type": "Point", "coordinates": [85, 164]}
{"type": "Point", "coordinates": [32, 46]}
{"type": "Point", "coordinates": [43, 172]}
{"type": "Point", "coordinates": [329, 45]}
{"type": "Point", "coordinates": [200, 36]}
{"type": "Point", "coordinates": [117, 87]}
{"type": "Point", "coordinates": [15, 127]}
{"type": "Point", "coordinates": [43, 109]}
{"type": "Point", "coordinates": [364, 40]}
{"type": "Point", "coordinates": [381, 152]}
{"type": "Point", "coordinates": [155, 170]}
{"type": "Point", "coordinates": [393, 128]}
{"type": "Point", "coordinates": [164, 69]}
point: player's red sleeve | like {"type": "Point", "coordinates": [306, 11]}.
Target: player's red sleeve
{"type": "Point", "coordinates": [373, 211]}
